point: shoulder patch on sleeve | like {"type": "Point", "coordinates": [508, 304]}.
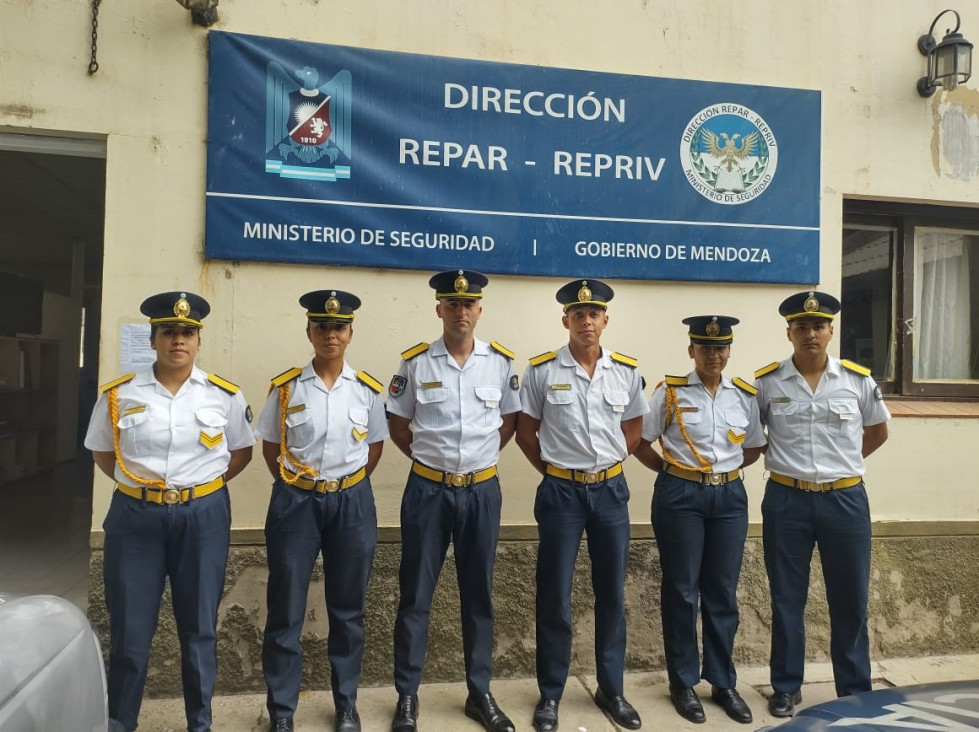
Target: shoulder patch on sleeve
{"type": "Point", "coordinates": [623, 359]}
{"type": "Point", "coordinates": [223, 384]}
{"type": "Point", "coordinates": [772, 367]}
{"type": "Point", "coordinates": [744, 386]}
{"type": "Point", "coordinates": [414, 351]}
{"type": "Point", "coordinates": [503, 350]}
{"type": "Point", "coordinates": [855, 367]}
{"type": "Point", "coordinates": [370, 381]}
{"type": "Point", "coordinates": [117, 382]}
{"type": "Point", "coordinates": [543, 358]}
{"type": "Point", "coordinates": [286, 376]}
{"type": "Point", "coordinates": [677, 381]}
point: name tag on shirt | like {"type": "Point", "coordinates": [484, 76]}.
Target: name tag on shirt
{"type": "Point", "coordinates": [684, 410]}
{"type": "Point", "coordinates": [296, 408]}
{"type": "Point", "coordinates": [561, 387]}
{"type": "Point", "coordinates": [780, 400]}
{"type": "Point", "coordinates": [432, 385]}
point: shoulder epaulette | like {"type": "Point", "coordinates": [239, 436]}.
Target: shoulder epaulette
{"type": "Point", "coordinates": [744, 386]}
{"type": "Point", "coordinates": [623, 359]}
{"type": "Point", "coordinates": [855, 367]}
{"type": "Point", "coordinates": [223, 384]}
{"type": "Point", "coordinates": [677, 381]}
{"type": "Point", "coordinates": [503, 350]}
{"type": "Point", "coordinates": [543, 358]}
{"type": "Point", "coordinates": [370, 381]}
{"type": "Point", "coordinates": [286, 376]}
{"type": "Point", "coordinates": [768, 369]}
{"type": "Point", "coordinates": [414, 351]}
{"type": "Point", "coordinates": [117, 382]}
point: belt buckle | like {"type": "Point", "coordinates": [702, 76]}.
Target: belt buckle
{"type": "Point", "coordinates": [714, 478]}
{"type": "Point", "coordinates": [591, 478]}
{"type": "Point", "coordinates": [456, 480]}
{"type": "Point", "coordinates": [170, 496]}
{"type": "Point", "coordinates": [808, 485]}
{"type": "Point", "coordinates": [331, 486]}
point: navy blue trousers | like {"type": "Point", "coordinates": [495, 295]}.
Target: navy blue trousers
{"type": "Point", "coordinates": [700, 533]}
{"type": "Point", "coordinates": [838, 522]}
{"type": "Point", "coordinates": [564, 511]}
{"type": "Point", "coordinates": [300, 524]}
{"type": "Point", "coordinates": [432, 515]}
{"type": "Point", "coordinates": [146, 543]}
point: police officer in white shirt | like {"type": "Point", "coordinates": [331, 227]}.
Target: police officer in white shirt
{"type": "Point", "coordinates": [171, 437]}
{"type": "Point", "coordinates": [824, 416]}
{"type": "Point", "coordinates": [708, 429]}
{"type": "Point", "coordinates": [453, 404]}
{"type": "Point", "coordinates": [322, 429]}
{"type": "Point", "coordinates": [582, 409]}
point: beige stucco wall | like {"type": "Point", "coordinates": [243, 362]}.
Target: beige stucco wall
{"type": "Point", "coordinates": [149, 101]}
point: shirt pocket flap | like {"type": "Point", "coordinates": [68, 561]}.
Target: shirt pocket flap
{"type": "Point", "coordinates": [560, 397]}
{"type": "Point", "coordinates": [736, 417]}
{"type": "Point", "coordinates": [488, 393]}
{"type": "Point", "coordinates": [843, 408]}
{"type": "Point", "coordinates": [297, 418]}
{"type": "Point", "coordinates": [616, 398]}
{"type": "Point", "coordinates": [431, 396]}
{"type": "Point", "coordinates": [128, 421]}
{"type": "Point", "coordinates": [211, 418]}
{"type": "Point", "coordinates": [358, 415]}
{"type": "Point", "coordinates": [783, 409]}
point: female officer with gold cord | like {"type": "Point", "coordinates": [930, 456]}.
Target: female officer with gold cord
{"type": "Point", "coordinates": [708, 429]}
{"type": "Point", "coordinates": [171, 436]}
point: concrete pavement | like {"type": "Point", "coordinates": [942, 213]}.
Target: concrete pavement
{"type": "Point", "coordinates": [442, 704]}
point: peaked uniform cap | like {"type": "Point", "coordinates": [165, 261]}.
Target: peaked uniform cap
{"type": "Point", "coordinates": [809, 304]}
{"type": "Point", "coordinates": [330, 306]}
{"type": "Point", "coordinates": [585, 292]}
{"type": "Point", "coordinates": [176, 308]}
{"type": "Point", "coordinates": [711, 330]}
{"type": "Point", "coordinates": [464, 284]}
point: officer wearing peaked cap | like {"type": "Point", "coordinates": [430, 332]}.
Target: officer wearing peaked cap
{"type": "Point", "coordinates": [708, 428]}
{"type": "Point", "coordinates": [824, 416]}
{"type": "Point", "coordinates": [171, 437]}
{"type": "Point", "coordinates": [322, 430]}
{"type": "Point", "coordinates": [581, 416]}
{"type": "Point", "coordinates": [453, 405]}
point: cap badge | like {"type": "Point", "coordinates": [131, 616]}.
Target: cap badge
{"type": "Point", "coordinates": [332, 305]}
{"type": "Point", "coordinates": [584, 293]}
{"type": "Point", "coordinates": [811, 305]}
{"type": "Point", "coordinates": [461, 284]}
{"type": "Point", "coordinates": [712, 328]}
{"type": "Point", "coordinates": [181, 308]}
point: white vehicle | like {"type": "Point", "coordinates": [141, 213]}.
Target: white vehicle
{"type": "Point", "coordinates": [51, 674]}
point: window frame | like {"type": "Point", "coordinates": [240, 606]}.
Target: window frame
{"type": "Point", "coordinates": [905, 219]}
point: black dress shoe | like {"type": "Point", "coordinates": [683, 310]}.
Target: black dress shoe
{"type": "Point", "coordinates": [484, 709]}
{"type": "Point", "coordinates": [621, 711]}
{"type": "Point", "coordinates": [406, 714]}
{"type": "Point", "coordinates": [782, 704]}
{"type": "Point", "coordinates": [348, 721]}
{"type": "Point", "coordinates": [545, 715]}
{"type": "Point", "coordinates": [281, 725]}
{"type": "Point", "coordinates": [731, 702]}
{"type": "Point", "coordinates": [687, 704]}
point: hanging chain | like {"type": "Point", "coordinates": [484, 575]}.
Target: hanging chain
{"type": "Point", "coordinates": [93, 65]}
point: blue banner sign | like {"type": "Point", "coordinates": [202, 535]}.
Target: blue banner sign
{"type": "Point", "coordinates": [348, 156]}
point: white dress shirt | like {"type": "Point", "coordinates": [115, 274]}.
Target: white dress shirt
{"type": "Point", "coordinates": [185, 438]}
{"type": "Point", "coordinates": [455, 412]}
{"type": "Point", "coordinates": [719, 427]}
{"type": "Point", "coordinates": [818, 436]}
{"type": "Point", "coordinates": [327, 429]}
{"type": "Point", "coordinates": [580, 416]}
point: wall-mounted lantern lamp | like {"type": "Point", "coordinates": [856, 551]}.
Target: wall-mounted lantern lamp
{"type": "Point", "coordinates": [202, 12]}
{"type": "Point", "coordinates": [949, 62]}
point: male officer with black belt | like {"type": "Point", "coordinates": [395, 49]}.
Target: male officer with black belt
{"type": "Point", "coordinates": [582, 409]}
{"type": "Point", "coordinates": [453, 404]}
{"type": "Point", "coordinates": [322, 430]}
{"type": "Point", "coordinates": [824, 416]}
